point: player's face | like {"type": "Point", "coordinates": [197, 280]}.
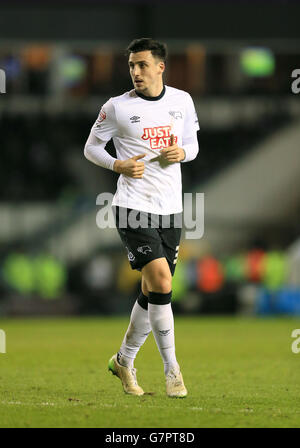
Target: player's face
{"type": "Point", "coordinates": [146, 72]}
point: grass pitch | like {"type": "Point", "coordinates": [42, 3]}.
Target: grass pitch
{"type": "Point", "coordinates": [239, 372]}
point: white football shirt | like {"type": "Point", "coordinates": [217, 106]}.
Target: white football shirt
{"type": "Point", "coordinates": [138, 125]}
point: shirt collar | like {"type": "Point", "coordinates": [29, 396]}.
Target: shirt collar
{"type": "Point", "coordinates": [152, 98]}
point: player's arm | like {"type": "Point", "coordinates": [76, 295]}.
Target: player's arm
{"type": "Point", "coordinates": [103, 130]}
{"type": "Point", "coordinates": [95, 152]}
{"type": "Point", "coordinates": [190, 147]}
{"type": "Point", "coordinates": [130, 167]}
{"type": "Point", "coordinates": [188, 152]}
{"type": "Point", "coordinates": [190, 128]}
{"type": "Point", "coordinates": [173, 153]}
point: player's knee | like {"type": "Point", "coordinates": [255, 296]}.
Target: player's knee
{"type": "Point", "coordinates": [157, 277]}
{"type": "Point", "coordinates": [165, 286]}
{"type": "Point", "coordinates": [162, 285]}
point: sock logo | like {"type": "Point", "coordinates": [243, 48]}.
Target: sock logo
{"type": "Point", "coordinates": [164, 332]}
{"type": "Point", "coordinates": [144, 249]}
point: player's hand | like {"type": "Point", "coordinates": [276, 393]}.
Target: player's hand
{"type": "Point", "coordinates": [173, 153]}
{"type": "Point", "coordinates": [131, 167]}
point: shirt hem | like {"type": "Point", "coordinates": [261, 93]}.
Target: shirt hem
{"type": "Point", "coordinates": [147, 209]}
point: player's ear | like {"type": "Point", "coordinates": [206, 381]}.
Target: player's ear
{"type": "Point", "coordinates": [162, 66]}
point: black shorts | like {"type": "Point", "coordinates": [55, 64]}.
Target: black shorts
{"type": "Point", "coordinates": [157, 237]}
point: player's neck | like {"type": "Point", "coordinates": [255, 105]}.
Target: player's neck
{"type": "Point", "coordinates": [155, 90]}
{"type": "Point", "coordinates": [152, 94]}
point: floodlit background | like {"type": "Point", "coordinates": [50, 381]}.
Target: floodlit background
{"type": "Point", "coordinates": [62, 62]}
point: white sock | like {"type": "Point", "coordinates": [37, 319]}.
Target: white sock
{"type": "Point", "coordinates": [162, 325]}
{"type": "Point", "coordinates": [136, 334]}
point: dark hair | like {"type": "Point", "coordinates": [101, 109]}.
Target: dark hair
{"type": "Point", "coordinates": [158, 49]}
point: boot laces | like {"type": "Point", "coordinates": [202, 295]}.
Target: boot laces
{"type": "Point", "coordinates": [175, 378]}
{"type": "Point", "coordinates": [133, 373]}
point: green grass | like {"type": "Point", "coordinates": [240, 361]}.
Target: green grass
{"type": "Point", "coordinates": [239, 373]}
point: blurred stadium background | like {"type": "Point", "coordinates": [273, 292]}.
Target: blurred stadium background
{"type": "Point", "coordinates": [62, 62]}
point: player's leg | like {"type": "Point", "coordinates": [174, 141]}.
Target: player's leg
{"type": "Point", "coordinates": [138, 329]}
{"type": "Point", "coordinates": [121, 364]}
{"type": "Point", "coordinates": [159, 281]}
{"type": "Point", "coordinates": [142, 244]}
{"type": "Point", "coordinates": [158, 276]}
{"type": "Point", "coordinates": [143, 247]}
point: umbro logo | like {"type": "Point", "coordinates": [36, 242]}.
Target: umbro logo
{"type": "Point", "coordinates": [176, 114]}
{"type": "Point", "coordinates": [164, 332]}
{"type": "Point", "coordinates": [135, 119]}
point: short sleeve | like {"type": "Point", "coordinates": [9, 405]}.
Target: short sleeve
{"type": "Point", "coordinates": [191, 123]}
{"type": "Point", "coordinates": [105, 127]}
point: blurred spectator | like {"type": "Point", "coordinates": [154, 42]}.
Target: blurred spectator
{"type": "Point", "coordinates": [274, 270]}
{"type": "Point", "coordinates": [41, 275]}
{"type": "Point", "coordinates": [254, 265]}
{"type": "Point", "coordinates": [36, 59]}
{"type": "Point", "coordinates": [50, 277]}
{"type": "Point", "coordinates": [18, 273]}
{"type": "Point", "coordinates": [210, 275]}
